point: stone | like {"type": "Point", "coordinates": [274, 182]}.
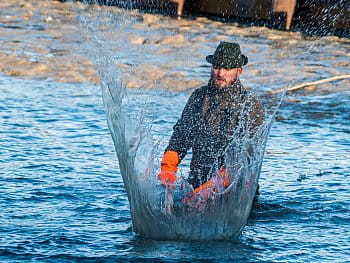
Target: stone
{"type": "Point", "coordinates": [13, 72]}
{"type": "Point", "coordinates": [48, 19]}
{"type": "Point", "coordinates": [133, 85]}
{"type": "Point", "coordinates": [149, 19]}
{"type": "Point", "coordinates": [137, 40]}
{"type": "Point", "coordinates": [172, 40]}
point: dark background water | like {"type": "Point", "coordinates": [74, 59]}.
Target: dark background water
{"type": "Point", "coordinates": [62, 197]}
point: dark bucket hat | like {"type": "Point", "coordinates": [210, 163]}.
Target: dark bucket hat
{"type": "Point", "coordinates": [227, 55]}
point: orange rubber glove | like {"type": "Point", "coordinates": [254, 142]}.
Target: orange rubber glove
{"type": "Point", "coordinates": [210, 182]}
{"type": "Point", "coordinates": [167, 175]}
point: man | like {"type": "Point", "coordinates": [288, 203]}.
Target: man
{"type": "Point", "coordinates": [211, 116]}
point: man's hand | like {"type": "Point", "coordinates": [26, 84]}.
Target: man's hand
{"type": "Point", "coordinates": [169, 164]}
{"type": "Point", "coordinates": [167, 179]}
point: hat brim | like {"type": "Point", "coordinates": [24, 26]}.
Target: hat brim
{"type": "Point", "coordinates": [242, 62]}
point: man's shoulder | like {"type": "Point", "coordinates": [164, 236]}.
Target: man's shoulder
{"type": "Point", "coordinates": [254, 103]}
{"type": "Point", "coordinates": [201, 91]}
{"type": "Point", "coordinates": [250, 96]}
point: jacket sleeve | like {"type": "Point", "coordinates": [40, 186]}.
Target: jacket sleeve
{"type": "Point", "coordinates": [183, 132]}
{"type": "Point", "coordinates": [251, 117]}
{"type": "Point", "coordinates": [256, 117]}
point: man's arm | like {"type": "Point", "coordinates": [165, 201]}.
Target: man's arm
{"type": "Point", "coordinates": [182, 137]}
{"type": "Point", "coordinates": [180, 141]}
{"type": "Point", "coordinates": [256, 117]}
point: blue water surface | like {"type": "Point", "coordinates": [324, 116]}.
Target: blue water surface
{"type": "Point", "coordinates": [62, 198]}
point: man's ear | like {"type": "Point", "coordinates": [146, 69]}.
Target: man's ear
{"type": "Point", "coordinates": [239, 72]}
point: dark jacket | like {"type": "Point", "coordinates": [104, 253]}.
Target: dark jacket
{"type": "Point", "coordinates": [207, 124]}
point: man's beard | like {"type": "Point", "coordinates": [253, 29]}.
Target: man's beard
{"type": "Point", "coordinates": [214, 84]}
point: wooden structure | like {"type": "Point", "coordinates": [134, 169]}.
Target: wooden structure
{"type": "Point", "coordinates": [179, 6]}
{"type": "Point", "coordinates": [263, 9]}
{"type": "Point", "coordinates": [322, 14]}
{"type": "Point", "coordinates": [285, 6]}
{"type": "Point", "coordinates": [313, 14]}
{"type": "Point", "coordinates": [240, 8]}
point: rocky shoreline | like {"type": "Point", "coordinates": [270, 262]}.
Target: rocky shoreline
{"type": "Point", "coordinates": [43, 40]}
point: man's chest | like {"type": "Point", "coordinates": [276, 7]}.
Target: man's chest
{"type": "Point", "coordinates": [219, 115]}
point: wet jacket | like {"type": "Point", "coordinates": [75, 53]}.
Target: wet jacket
{"type": "Point", "coordinates": [207, 124]}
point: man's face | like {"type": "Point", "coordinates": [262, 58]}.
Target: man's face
{"type": "Point", "coordinates": [224, 77]}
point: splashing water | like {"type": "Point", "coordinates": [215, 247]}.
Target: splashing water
{"type": "Point", "coordinates": [161, 213]}
{"type": "Point", "coordinates": [168, 214]}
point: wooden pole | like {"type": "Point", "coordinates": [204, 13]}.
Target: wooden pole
{"type": "Point", "coordinates": [287, 6]}
{"type": "Point", "coordinates": [179, 7]}
{"type": "Point", "coordinates": [303, 85]}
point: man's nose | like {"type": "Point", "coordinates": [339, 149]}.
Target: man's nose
{"type": "Point", "coordinates": [220, 71]}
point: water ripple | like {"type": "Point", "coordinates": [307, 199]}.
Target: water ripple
{"type": "Point", "coordinates": [63, 198]}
